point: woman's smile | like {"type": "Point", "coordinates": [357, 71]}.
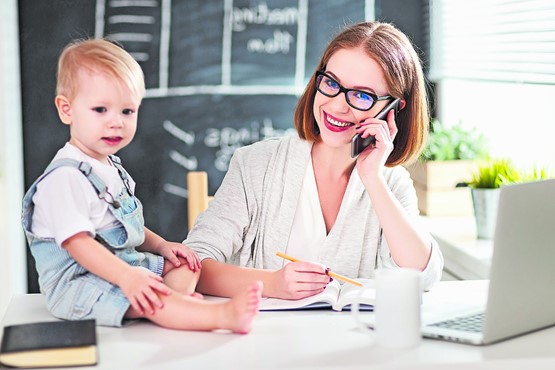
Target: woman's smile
{"type": "Point", "coordinates": [335, 124]}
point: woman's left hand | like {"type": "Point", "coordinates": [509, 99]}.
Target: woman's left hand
{"type": "Point", "coordinates": [373, 158]}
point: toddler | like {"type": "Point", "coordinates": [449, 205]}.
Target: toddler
{"type": "Point", "coordinates": [94, 256]}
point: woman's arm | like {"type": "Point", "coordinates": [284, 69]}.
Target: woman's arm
{"type": "Point", "coordinates": [408, 246]}
{"type": "Point", "coordinates": [294, 281]}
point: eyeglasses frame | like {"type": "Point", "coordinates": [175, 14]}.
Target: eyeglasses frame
{"type": "Point", "coordinates": [344, 90]}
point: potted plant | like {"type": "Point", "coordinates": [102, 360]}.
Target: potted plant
{"type": "Point", "coordinates": [485, 184]}
{"type": "Point", "coordinates": [446, 163]}
{"type": "Point", "coordinates": [484, 187]}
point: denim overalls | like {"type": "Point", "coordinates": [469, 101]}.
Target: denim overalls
{"type": "Point", "coordinates": [72, 293]}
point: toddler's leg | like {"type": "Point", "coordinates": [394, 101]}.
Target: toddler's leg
{"type": "Point", "coordinates": [188, 313]}
{"type": "Point", "coordinates": [180, 279]}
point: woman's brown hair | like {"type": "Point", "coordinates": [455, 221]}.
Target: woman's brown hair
{"type": "Point", "coordinates": [394, 52]}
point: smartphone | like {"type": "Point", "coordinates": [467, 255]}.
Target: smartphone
{"type": "Point", "coordinates": [358, 143]}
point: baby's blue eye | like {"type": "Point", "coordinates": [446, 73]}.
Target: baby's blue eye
{"type": "Point", "coordinates": [100, 109]}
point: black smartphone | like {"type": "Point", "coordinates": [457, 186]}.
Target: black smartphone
{"type": "Point", "coordinates": [358, 144]}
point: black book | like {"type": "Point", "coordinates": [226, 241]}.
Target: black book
{"type": "Point", "coordinates": [49, 344]}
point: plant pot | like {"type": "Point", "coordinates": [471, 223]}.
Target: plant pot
{"type": "Point", "coordinates": [485, 203]}
{"type": "Point", "coordinates": [436, 187]}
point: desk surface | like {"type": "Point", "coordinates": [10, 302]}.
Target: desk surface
{"type": "Point", "coordinates": [319, 339]}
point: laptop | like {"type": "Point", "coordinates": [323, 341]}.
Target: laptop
{"type": "Point", "coordinates": [521, 294]}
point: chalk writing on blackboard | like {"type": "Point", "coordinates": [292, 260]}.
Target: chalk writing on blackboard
{"type": "Point", "coordinates": [248, 28]}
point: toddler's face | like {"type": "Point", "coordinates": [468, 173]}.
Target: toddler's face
{"type": "Point", "coordinates": [103, 115]}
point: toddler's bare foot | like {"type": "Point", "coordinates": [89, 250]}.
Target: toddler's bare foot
{"type": "Point", "coordinates": [241, 309]}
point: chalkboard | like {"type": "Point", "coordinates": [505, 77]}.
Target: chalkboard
{"type": "Point", "coordinates": [220, 74]}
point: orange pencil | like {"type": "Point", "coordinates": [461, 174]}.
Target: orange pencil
{"type": "Point", "coordinates": [332, 274]}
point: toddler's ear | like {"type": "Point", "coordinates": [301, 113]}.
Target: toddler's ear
{"type": "Point", "coordinates": [64, 108]}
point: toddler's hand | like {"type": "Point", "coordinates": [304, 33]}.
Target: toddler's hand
{"type": "Point", "coordinates": [140, 286]}
{"type": "Point", "coordinates": [172, 250]}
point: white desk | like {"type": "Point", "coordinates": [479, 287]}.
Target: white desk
{"type": "Point", "coordinates": [466, 257]}
{"type": "Point", "coordinates": [301, 340]}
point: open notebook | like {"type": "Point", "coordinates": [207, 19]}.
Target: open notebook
{"type": "Point", "coordinates": [336, 296]}
{"type": "Point", "coordinates": [521, 295]}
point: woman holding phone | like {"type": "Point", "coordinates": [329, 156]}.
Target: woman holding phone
{"type": "Point", "coordinates": [307, 196]}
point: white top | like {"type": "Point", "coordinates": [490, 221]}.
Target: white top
{"type": "Point", "coordinates": [308, 231]}
{"type": "Point", "coordinates": [66, 202]}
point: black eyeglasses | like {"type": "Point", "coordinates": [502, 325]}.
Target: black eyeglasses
{"type": "Point", "coordinates": [358, 99]}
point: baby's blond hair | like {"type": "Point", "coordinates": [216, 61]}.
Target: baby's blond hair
{"type": "Point", "coordinates": [98, 55]}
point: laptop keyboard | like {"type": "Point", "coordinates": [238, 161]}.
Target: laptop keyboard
{"type": "Point", "coordinates": [472, 323]}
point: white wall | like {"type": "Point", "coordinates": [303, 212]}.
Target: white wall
{"type": "Point", "coordinates": [12, 246]}
{"type": "Point", "coordinates": [517, 119]}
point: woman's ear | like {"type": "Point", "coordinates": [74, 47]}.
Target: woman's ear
{"type": "Point", "coordinates": [64, 108]}
{"type": "Point", "coordinates": [403, 104]}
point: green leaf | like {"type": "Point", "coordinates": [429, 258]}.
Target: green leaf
{"type": "Point", "coordinates": [453, 143]}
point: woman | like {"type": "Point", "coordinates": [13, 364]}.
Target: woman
{"type": "Point", "coordinates": [307, 197]}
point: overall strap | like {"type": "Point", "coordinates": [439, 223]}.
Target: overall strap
{"type": "Point", "coordinates": [86, 169]}
{"type": "Point", "coordinates": [116, 161]}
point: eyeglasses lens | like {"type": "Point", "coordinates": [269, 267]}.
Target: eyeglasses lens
{"type": "Point", "coordinates": [359, 99]}
{"type": "Point", "coordinates": [328, 86]}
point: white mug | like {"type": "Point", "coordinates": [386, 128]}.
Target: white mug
{"type": "Point", "coordinates": [397, 308]}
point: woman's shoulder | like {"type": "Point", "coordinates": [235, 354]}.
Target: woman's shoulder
{"type": "Point", "coordinates": [269, 147]}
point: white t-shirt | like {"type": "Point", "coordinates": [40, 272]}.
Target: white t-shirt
{"type": "Point", "coordinates": [66, 202]}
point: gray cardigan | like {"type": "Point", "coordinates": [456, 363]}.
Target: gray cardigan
{"type": "Point", "coordinates": [251, 215]}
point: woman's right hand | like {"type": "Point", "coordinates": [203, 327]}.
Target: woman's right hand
{"type": "Point", "coordinates": [297, 280]}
